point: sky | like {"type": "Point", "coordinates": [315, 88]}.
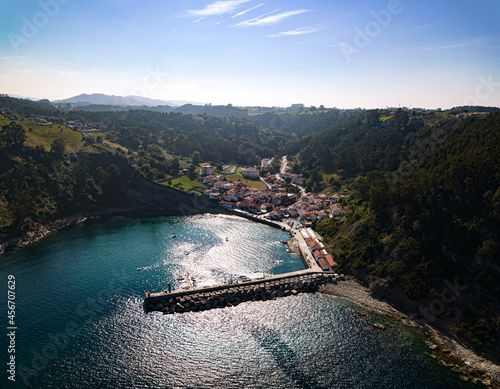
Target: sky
{"type": "Point", "coordinates": [345, 54]}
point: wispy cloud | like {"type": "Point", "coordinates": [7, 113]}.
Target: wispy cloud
{"type": "Point", "coordinates": [264, 20]}
{"type": "Point", "coordinates": [199, 19]}
{"type": "Point", "coordinates": [218, 8]}
{"type": "Point", "coordinates": [247, 10]}
{"type": "Point", "coordinates": [297, 31]}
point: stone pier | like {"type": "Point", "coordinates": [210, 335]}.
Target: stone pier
{"type": "Point", "coordinates": [227, 295]}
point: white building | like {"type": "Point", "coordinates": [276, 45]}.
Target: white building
{"type": "Point", "coordinates": [206, 169]}
{"type": "Point", "coordinates": [250, 172]}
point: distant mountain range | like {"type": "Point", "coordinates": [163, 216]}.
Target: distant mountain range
{"type": "Point", "coordinates": [102, 99]}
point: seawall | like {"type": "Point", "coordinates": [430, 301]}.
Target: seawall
{"type": "Point", "coordinates": [226, 295]}
{"type": "Point", "coordinates": [259, 220]}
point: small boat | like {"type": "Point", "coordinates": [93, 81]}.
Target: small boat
{"type": "Point", "coordinates": [174, 236]}
{"type": "Point", "coordinates": [180, 278]}
{"type": "Point", "coordinates": [187, 252]}
{"type": "Point", "coordinates": [227, 239]}
{"type": "Point", "coordinates": [140, 268]}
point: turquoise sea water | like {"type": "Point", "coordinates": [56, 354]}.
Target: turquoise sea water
{"type": "Point", "coordinates": [81, 322]}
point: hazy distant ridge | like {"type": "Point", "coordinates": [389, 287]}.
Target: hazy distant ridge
{"type": "Point", "coordinates": [102, 99]}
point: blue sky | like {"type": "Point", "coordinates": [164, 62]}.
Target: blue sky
{"type": "Point", "coordinates": [342, 54]}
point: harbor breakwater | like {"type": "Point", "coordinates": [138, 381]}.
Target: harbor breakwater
{"type": "Point", "coordinates": [227, 295]}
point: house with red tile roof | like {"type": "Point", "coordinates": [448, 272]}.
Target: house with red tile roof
{"type": "Point", "coordinates": [227, 204]}
{"type": "Point", "coordinates": [254, 208]}
{"type": "Point", "coordinates": [243, 205]}
{"type": "Point", "coordinates": [230, 196]}
{"type": "Point", "coordinates": [338, 210]}
{"type": "Point", "coordinates": [336, 198]}
{"type": "Point", "coordinates": [268, 207]}
{"type": "Point", "coordinates": [207, 179]}
{"type": "Point", "coordinates": [214, 195]}
{"type": "Point", "coordinates": [323, 264]}
{"type": "Point", "coordinates": [330, 261]}
{"type": "Point", "coordinates": [274, 215]}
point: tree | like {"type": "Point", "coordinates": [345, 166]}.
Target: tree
{"type": "Point", "coordinates": [58, 148]}
{"type": "Point", "coordinates": [5, 216]}
{"type": "Point", "coordinates": [192, 172]}
{"type": "Point", "coordinates": [136, 144]}
{"type": "Point", "coordinates": [12, 135]}
{"type": "Point", "coordinates": [196, 157]}
{"type": "Point", "coordinates": [314, 181]}
{"type": "Point", "coordinates": [401, 118]}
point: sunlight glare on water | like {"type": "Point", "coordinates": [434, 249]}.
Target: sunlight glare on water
{"type": "Point", "coordinates": [82, 323]}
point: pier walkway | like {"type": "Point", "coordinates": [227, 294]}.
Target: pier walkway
{"type": "Point", "coordinates": [223, 295]}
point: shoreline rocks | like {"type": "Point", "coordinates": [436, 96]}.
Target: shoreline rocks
{"type": "Point", "coordinates": [442, 348]}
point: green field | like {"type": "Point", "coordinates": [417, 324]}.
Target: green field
{"type": "Point", "coordinates": [44, 135]}
{"type": "Point", "coordinates": [183, 183]}
{"type": "Point", "coordinates": [252, 183]}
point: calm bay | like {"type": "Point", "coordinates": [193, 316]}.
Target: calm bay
{"type": "Point", "coordinates": [81, 322]}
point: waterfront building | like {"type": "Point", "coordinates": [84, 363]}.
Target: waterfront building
{"type": "Point", "coordinates": [227, 205]}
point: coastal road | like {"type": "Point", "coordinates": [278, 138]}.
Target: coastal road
{"type": "Point", "coordinates": [268, 186]}
{"type": "Point", "coordinates": [284, 162]}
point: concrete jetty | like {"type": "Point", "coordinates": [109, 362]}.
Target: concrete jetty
{"type": "Point", "coordinates": [226, 295]}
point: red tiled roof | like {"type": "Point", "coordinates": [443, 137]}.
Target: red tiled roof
{"type": "Point", "coordinates": [330, 260]}
{"type": "Point", "coordinates": [322, 262]}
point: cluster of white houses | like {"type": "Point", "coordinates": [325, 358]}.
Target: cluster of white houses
{"type": "Point", "coordinates": [276, 202]}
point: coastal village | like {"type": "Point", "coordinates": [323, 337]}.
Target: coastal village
{"type": "Point", "coordinates": [273, 203]}
{"type": "Point", "coordinates": [278, 207]}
